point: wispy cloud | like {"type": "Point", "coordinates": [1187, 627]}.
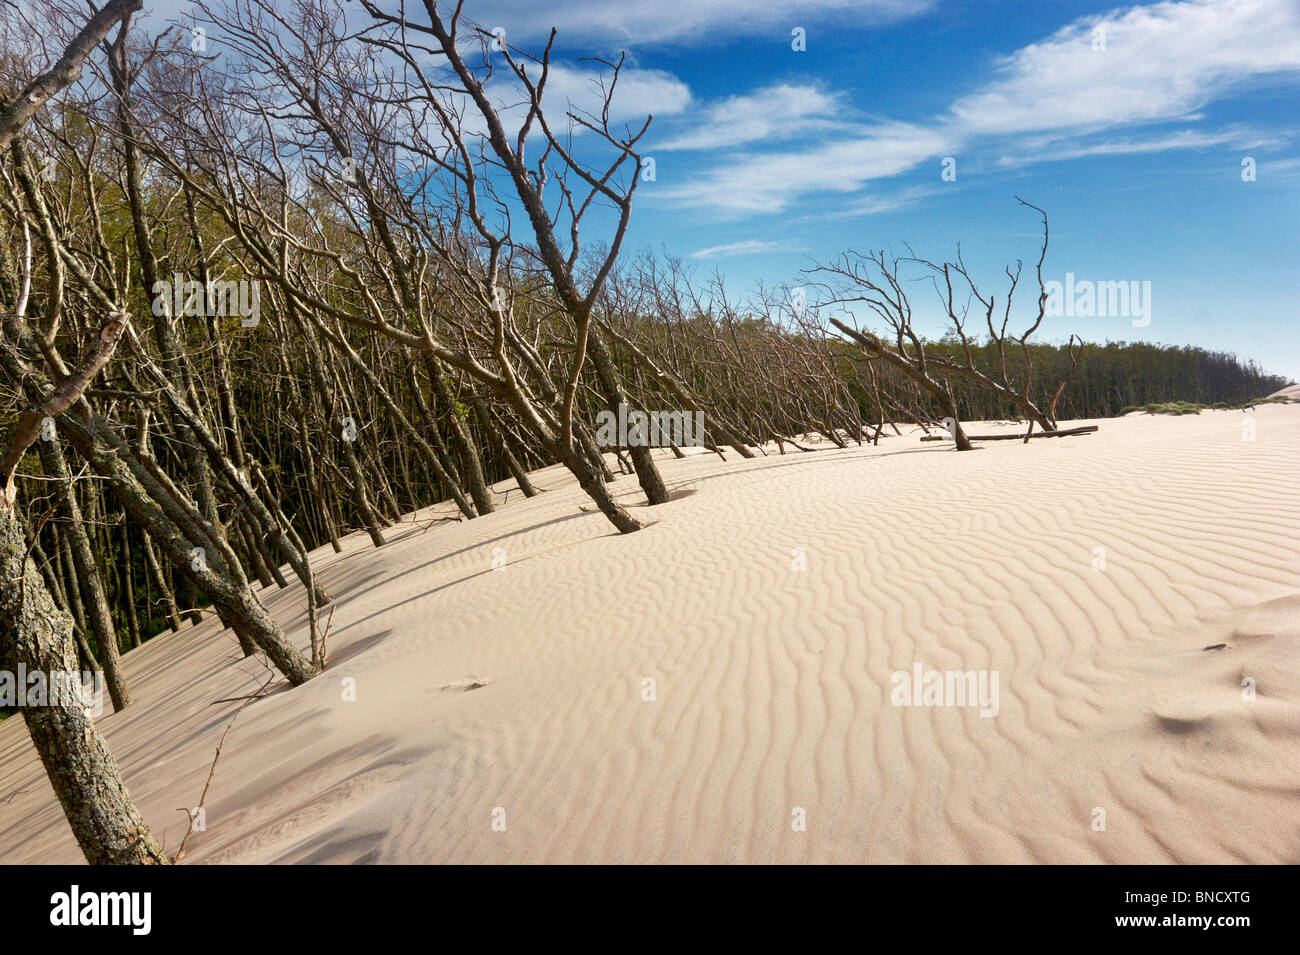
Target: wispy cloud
{"type": "Point", "coordinates": [1159, 64]}
{"type": "Point", "coordinates": [747, 247]}
{"type": "Point", "coordinates": [640, 92]}
{"type": "Point", "coordinates": [1277, 168]}
{"type": "Point", "coordinates": [631, 23]}
{"type": "Point", "coordinates": [580, 90]}
{"type": "Point", "coordinates": [778, 112]}
{"type": "Point", "coordinates": [773, 182]}
{"type": "Point", "coordinates": [878, 204]}
{"type": "Point", "coordinates": [1065, 97]}
{"type": "Point", "coordinates": [1057, 151]}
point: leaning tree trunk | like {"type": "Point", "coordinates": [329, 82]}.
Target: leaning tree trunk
{"type": "Point", "coordinates": [162, 510]}
{"type": "Point", "coordinates": [940, 391]}
{"type": "Point", "coordinates": [99, 618]}
{"type": "Point", "coordinates": [444, 476]}
{"type": "Point", "coordinates": [511, 462]}
{"type": "Point", "coordinates": [36, 634]}
{"type": "Point", "coordinates": [642, 460]}
{"type": "Point", "coordinates": [471, 465]}
{"type": "Point", "coordinates": [170, 609]}
{"type": "Point", "coordinates": [591, 481]}
{"type": "Point", "coordinates": [959, 437]}
{"type": "Point", "coordinates": [124, 569]}
{"type": "Point", "coordinates": [177, 526]}
{"type": "Point", "coordinates": [357, 482]}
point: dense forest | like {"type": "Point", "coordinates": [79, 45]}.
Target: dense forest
{"type": "Point", "coordinates": [251, 307]}
{"type": "Point", "coordinates": [1115, 376]}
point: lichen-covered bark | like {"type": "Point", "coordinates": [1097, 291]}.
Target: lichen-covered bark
{"type": "Point", "coordinates": [34, 632]}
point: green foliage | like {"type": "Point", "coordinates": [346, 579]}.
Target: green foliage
{"type": "Point", "coordinates": [1172, 407]}
{"type": "Point", "coordinates": [1273, 400]}
{"type": "Point", "coordinates": [1192, 407]}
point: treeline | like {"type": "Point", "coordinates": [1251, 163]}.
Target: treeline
{"type": "Point", "coordinates": [1104, 380]}
{"type": "Point", "coordinates": [1115, 376]}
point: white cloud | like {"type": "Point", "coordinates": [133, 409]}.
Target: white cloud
{"type": "Point", "coordinates": [628, 23]}
{"type": "Point", "coordinates": [1160, 63]}
{"type": "Point", "coordinates": [580, 90]}
{"type": "Point", "coordinates": [1051, 151]}
{"type": "Point", "coordinates": [1049, 101]}
{"type": "Point", "coordinates": [871, 205]}
{"type": "Point", "coordinates": [639, 93]}
{"type": "Point", "coordinates": [772, 182]}
{"type": "Point", "coordinates": [747, 247]}
{"type": "Point", "coordinates": [1280, 168]}
{"type": "Point", "coordinates": [781, 111]}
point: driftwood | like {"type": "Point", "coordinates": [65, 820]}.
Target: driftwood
{"type": "Point", "coordinates": [1063, 433]}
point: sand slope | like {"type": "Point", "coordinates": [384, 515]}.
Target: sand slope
{"type": "Point", "coordinates": [1089, 572]}
{"type": "Point", "coordinates": [1290, 391]}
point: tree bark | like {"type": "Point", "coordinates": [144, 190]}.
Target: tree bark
{"type": "Point", "coordinates": [36, 634]}
{"type": "Point", "coordinates": [471, 464]}
{"type": "Point", "coordinates": [511, 462]}
{"type": "Point", "coordinates": [99, 618]}
{"type": "Point", "coordinates": [642, 460]}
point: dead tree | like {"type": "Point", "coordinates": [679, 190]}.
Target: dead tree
{"type": "Point", "coordinates": [65, 71]}
{"type": "Point", "coordinates": [876, 282]}
{"type": "Point", "coordinates": [34, 632]}
{"type": "Point", "coordinates": [37, 635]}
{"type": "Point", "coordinates": [388, 256]}
{"type": "Point", "coordinates": [170, 517]}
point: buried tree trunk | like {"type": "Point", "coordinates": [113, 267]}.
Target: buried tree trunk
{"type": "Point", "coordinates": [163, 511]}
{"type": "Point", "coordinates": [461, 440]}
{"type": "Point", "coordinates": [590, 481]}
{"type": "Point", "coordinates": [37, 635]}
{"type": "Point", "coordinates": [344, 429]}
{"type": "Point", "coordinates": [950, 406]}
{"type": "Point", "coordinates": [176, 525]}
{"type": "Point", "coordinates": [431, 459]}
{"type": "Point", "coordinates": [165, 595]}
{"type": "Point", "coordinates": [503, 449]}
{"type": "Point", "coordinates": [724, 432]}
{"type": "Point", "coordinates": [941, 391]}
{"type": "Point", "coordinates": [642, 461]}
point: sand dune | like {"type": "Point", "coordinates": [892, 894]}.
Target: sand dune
{"type": "Point", "coordinates": [1290, 391]}
{"type": "Point", "coordinates": [771, 603]}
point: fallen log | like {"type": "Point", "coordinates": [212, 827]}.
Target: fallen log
{"type": "Point", "coordinates": [1018, 436]}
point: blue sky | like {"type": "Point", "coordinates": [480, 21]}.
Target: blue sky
{"type": "Point", "coordinates": [768, 159]}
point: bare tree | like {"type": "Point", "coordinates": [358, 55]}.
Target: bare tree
{"type": "Point", "coordinates": [876, 281]}
{"type": "Point", "coordinates": [65, 71]}
{"type": "Point", "coordinates": [34, 632]}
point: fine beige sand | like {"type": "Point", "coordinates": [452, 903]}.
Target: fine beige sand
{"type": "Point", "coordinates": [1290, 391]}
{"type": "Point", "coordinates": [771, 602]}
